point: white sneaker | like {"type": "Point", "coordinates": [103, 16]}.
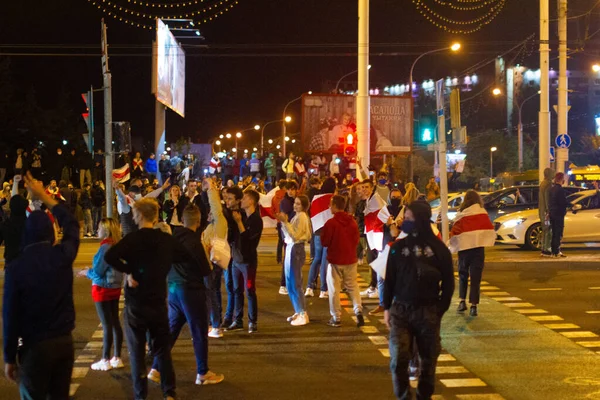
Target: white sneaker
{"type": "Point", "coordinates": [309, 292]}
{"type": "Point", "coordinates": [301, 319]}
{"type": "Point", "coordinates": [293, 317]}
{"type": "Point", "coordinates": [215, 333]}
{"type": "Point", "coordinates": [154, 376]}
{"type": "Point", "coordinates": [324, 295]}
{"type": "Point", "coordinates": [210, 378]}
{"type": "Point", "coordinates": [116, 362]}
{"type": "Point", "coordinates": [370, 293]}
{"type": "Point", "coordinates": [283, 290]}
{"type": "Point", "coordinates": [102, 365]}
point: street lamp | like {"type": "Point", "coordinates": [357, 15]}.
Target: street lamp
{"type": "Point", "coordinates": [345, 76]}
{"type": "Point", "coordinates": [221, 136]}
{"type": "Point", "coordinates": [228, 136]}
{"type": "Point", "coordinates": [287, 118]}
{"type": "Point", "coordinates": [497, 92]}
{"type": "Point", "coordinates": [237, 136]}
{"type": "Point", "coordinates": [270, 141]}
{"type": "Point", "coordinates": [492, 150]}
{"type": "Point", "coordinates": [596, 67]}
{"type": "Point", "coordinates": [256, 127]}
{"type": "Point", "coordinates": [262, 133]}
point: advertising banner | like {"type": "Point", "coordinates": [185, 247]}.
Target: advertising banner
{"type": "Point", "coordinates": [327, 119]}
{"type": "Point", "coordinates": [170, 69]}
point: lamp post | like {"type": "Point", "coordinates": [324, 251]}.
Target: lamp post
{"type": "Point", "coordinates": [454, 48]}
{"type": "Point", "coordinates": [262, 133]}
{"type": "Point", "coordinates": [492, 150]}
{"type": "Point", "coordinates": [337, 85]}
{"type": "Point", "coordinates": [286, 118]}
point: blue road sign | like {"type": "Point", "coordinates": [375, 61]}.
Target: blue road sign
{"type": "Point", "coordinates": [552, 154]}
{"type": "Point", "coordinates": [563, 141]}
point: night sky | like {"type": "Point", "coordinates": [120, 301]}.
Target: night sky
{"type": "Point", "coordinates": [229, 93]}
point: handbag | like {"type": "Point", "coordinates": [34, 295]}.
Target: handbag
{"type": "Point", "coordinates": [220, 252]}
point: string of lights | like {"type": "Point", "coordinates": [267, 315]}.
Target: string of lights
{"type": "Point", "coordinates": [453, 6]}
{"type": "Point", "coordinates": [456, 26]}
{"type": "Point", "coordinates": [171, 14]}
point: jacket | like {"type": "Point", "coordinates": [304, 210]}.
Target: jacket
{"type": "Point", "coordinates": [244, 247]}
{"type": "Point", "coordinates": [98, 196]}
{"type": "Point", "coordinates": [101, 274]}
{"type": "Point", "coordinates": [189, 274]}
{"type": "Point", "coordinates": [170, 208]}
{"type": "Point", "coordinates": [38, 286]}
{"type": "Point", "coordinates": [270, 166]}
{"type": "Point", "coordinates": [544, 194]}
{"type": "Point", "coordinates": [85, 200]}
{"type": "Point", "coordinates": [151, 166]}
{"type": "Point", "coordinates": [11, 230]}
{"type": "Point", "coordinates": [340, 236]}
{"type": "Point", "coordinates": [288, 166]}
{"type": "Point", "coordinates": [557, 203]}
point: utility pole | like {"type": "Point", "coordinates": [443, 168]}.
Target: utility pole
{"type": "Point", "coordinates": [544, 114]}
{"type": "Point", "coordinates": [562, 154]}
{"type": "Point", "coordinates": [441, 149]}
{"type": "Point", "coordinates": [363, 101]}
{"type": "Point", "coordinates": [108, 148]}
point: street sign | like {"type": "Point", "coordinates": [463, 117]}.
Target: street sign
{"type": "Point", "coordinates": [563, 141]}
{"type": "Point", "coordinates": [552, 154]}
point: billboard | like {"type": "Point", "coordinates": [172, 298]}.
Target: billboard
{"type": "Point", "coordinates": [169, 82]}
{"type": "Point", "coordinates": [327, 119]}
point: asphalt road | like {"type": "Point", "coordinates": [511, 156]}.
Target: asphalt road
{"type": "Point", "coordinates": [480, 362]}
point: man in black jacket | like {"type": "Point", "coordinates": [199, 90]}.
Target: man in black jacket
{"type": "Point", "coordinates": [245, 259]}
{"type": "Point", "coordinates": [38, 303]}
{"type": "Point", "coordinates": [187, 298]}
{"type": "Point", "coordinates": [147, 255]}
{"type": "Point", "coordinates": [11, 230]}
{"type": "Point", "coordinates": [557, 209]}
{"type": "Point", "coordinates": [232, 198]}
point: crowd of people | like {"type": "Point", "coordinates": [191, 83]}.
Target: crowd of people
{"type": "Point", "coordinates": [173, 245]}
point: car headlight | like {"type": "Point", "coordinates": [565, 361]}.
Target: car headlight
{"type": "Point", "coordinates": [511, 223]}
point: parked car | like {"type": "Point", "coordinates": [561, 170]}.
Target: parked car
{"type": "Point", "coordinates": [454, 201]}
{"type": "Point", "coordinates": [516, 198]}
{"type": "Point", "coordinates": [582, 223]}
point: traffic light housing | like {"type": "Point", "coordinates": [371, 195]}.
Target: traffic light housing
{"type": "Point", "coordinates": [426, 135]}
{"type": "Point", "coordinates": [350, 145]}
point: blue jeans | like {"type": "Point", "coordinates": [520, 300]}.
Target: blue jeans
{"type": "Point", "coordinates": [229, 286]}
{"type": "Point", "coordinates": [319, 265]}
{"type": "Point", "coordinates": [295, 255]}
{"type": "Point", "coordinates": [380, 286]}
{"type": "Point", "coordinates": [214, 302]}
{"type": "Point", "coordinates": [244, 278]}
{"type": "Point", "coordinates": [189, 305]}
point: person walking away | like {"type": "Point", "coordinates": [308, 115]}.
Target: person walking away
{"type": "Point", "coordinates": [432, 189]}
{"type": "Point", "coordinates": [98, 199]}
{"type": "Point", "coordinates": [187, 299]}
{"type": "Point", "coordinates": [85, 202]}
{"type": "Point", "coordinates": [557, 209]}
{"type": "Point", "coordinates": [163, 168]}
{"type": "Point", "coordinates": [86, 163]}
{"type": "Point", "coordinates": [216, 229]}
{"type": "Point", "coordinates": [245, 259]}
{"type": "Point", "coordinates": [419, 284]}
{"type": "Point", "coordinates": [286, 206]}
{"type": "Point", "coordinates": [288, 166]}
{"type": "Point", "coordinates": [147, 256]}
{"type": "Point", "coordinates": [544, 198]}
{"type": "Point", "coordinates": [232, 198]}
{"type": "Point", "coordinates": [151, 167]}
{"type": "Point", "coordinates": [38, 303]}
{"type": "Point", "coordinates": [296, 233]}
{"type": "Point", "coordinates": [339, 234]}
{"type": "Point", "coordinates": [320, 213]}
{"type": "Point", "coordinates": [106, 291]}
{"type": "Point", "coordinates": [471, 232]}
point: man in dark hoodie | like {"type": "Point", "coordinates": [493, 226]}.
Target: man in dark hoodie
{"type": "Point", "coordinates": [38, 303]}
{"type": "Point", "coordinates": [11, 230]}
{"type": "Point", "coordinates": [339, 235]}
{"type": "Point", "coordinates": [419, 283]}
{"type": "Point", "coordinates": [147, 255]}
{"type": "Point", "coordinates": [187, 298]}
{"type": "Point", "coordinates": [544, 198]}
{"type": "Point", "coordinates": [557, 209]}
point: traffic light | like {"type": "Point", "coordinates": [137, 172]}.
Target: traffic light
{"type": "Point", "coordinates": [350, 145]}
{"type": "Point", "coordinates": [426, 135]}
{"type": "Point", "coordinates": [88, 117]}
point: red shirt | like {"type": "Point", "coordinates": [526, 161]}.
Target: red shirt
{"type": "Point", "coordinates": [99, 293]}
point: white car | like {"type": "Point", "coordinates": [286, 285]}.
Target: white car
{"type": "Point", "coordinates": [582, 223]}
{"type": "Point", "coordinates": [454, 201]}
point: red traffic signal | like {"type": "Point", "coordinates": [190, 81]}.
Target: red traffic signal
{"type": "Point", "coordinates": [350, 146]}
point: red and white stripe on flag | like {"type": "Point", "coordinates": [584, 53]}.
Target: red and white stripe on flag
{"type": "Point", "coordinates": [122, 174]}
{"type": "Point", "coordinates": [265, 205]}
{"type": "Point", "coordinates": [319, 210]}
{"type": "Point", "coordinates": [214, 166]}
{"type": "Point", "coordinates": [376, 214]}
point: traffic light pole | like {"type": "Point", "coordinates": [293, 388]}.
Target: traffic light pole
{"type": "Point", "coordinates": [362, 99]}
{"type": "Point", "coordinates": [441, 132]}
{"type": "Point", "coordinates": [544, 114]}
{"type": "Point", "coordinates": [108, 149]}
{"type": "Point", "coordinates": [562, 154]}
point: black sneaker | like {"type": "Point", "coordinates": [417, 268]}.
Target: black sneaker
{"type": "Point", "coordinates": [334, 322]}
{"type": "Point", "coordinates": [473, 311]}
{"type": "Point", "coordinates": [546, 253]}
{"type": "Point", "coordinates": [252, 328]}
{"type": "Point", "coordinates": [462, 306]}
{"type": "Point", "coordinates": [360, 320]}
{"type": "Point", "coordinates": [236, 326]}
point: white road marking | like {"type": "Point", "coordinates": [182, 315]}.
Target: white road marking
{"type": "Point", "coordinates": [385, 352]}
{"type": "Point", "coordinates": [492, 294]}
{"type": "Point", "coordinates": [514, 305]}
{"type": "Point", "coordinates": [592, 312]}
{"type": "Point", "coordinates": [589, 344]}
{"type": "Point", "coordinates": [451, 370]}
{"type": "Point", "coordinates": [539, 318]}
{"type": "Point", "coordinates": [73, 389]}
{"type": "Point", "coordinates": [470, 382]}
{"type": "Point", "coordinates": [486, 288]}
{"type": "Point", "coordinates": [579, 334]}
{"type": "Point", "coordinates": [545, 289]}
{"type": "Point", "coordinates": [378, 340]}
{"type": "Point", "coordinates": [79, 372]}
{"type": "Point", "coordinates": [532, 311]}
{"type": "Point", "coordinates": [506, 298]}
{"type": "Point", "coordinates": [561, 326]}
{"type": "Point", "coordinates": [369, 329]}
{"type": "Point", "coordinates": [446, 357]}
{"type": "Point", "coordinates": [490, 396]}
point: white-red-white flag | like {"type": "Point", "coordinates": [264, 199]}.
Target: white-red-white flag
{"type": "Point", "coordinates": [319, 210]}
{"type": "Point", "coordinates": [376, 214]}
{"type": "Point", "coordinates": [265, 205]}
{"type": "Point", "coordinates": [215, 166]}
{"type": "Point", "coordinates": [122, 174]}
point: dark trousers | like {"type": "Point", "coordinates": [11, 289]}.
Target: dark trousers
{"type": "Point", "coordinates": [108, 311]}
{"type": "Point", "coordinates": [96, 217]}
{"type": "Point", "coordinates": [214, 301]}
{"type": "Point", "coordinates": [282, 281]}
{"type": "Point", "coordinates": [422, 323]}
{"type": "Point", "coordinates": [279, 245]}
{"type": "Point", "coordinates": [45, 369]}
{"type": "Point", "coordinates": [189, 305]}
{"type": "Point", "coordinates": [244, 278]}
{"type": "Point", "coordinates": [558, 226]}
{"type": "Point", "coordinates": [154, 320]}
{"type": "Point", "coordinates": [470, 263]}
{"type": "Point", "coordinates": [231, 313]}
